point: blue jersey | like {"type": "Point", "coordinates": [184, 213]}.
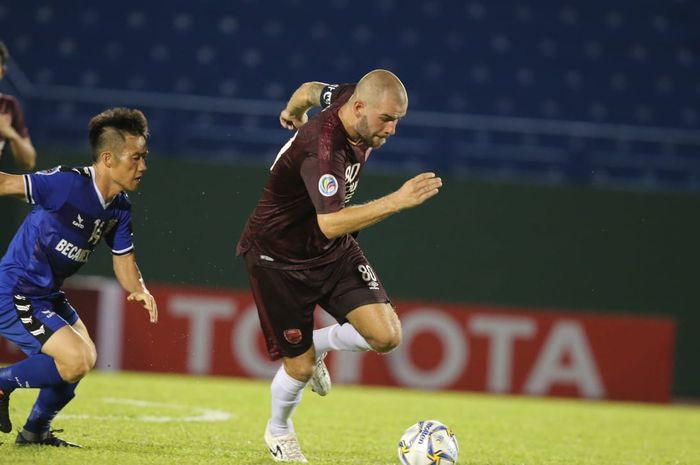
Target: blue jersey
{"type": "Point", "coordinates": [58, 236]}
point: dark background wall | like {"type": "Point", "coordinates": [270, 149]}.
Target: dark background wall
{"type": "Point", "coordinates": [568, 135]}
{"type": "Point", "coordinates": [547, 247]}
{"type": "Point", "coordinates": [602, 92]}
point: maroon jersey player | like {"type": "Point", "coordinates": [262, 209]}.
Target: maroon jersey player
{"type": "Point", "coordinates": [298, 245]}
{"type": "Point", "coordinates": [12, 127]}
{"type": "Point", "coordinates": [316, 172]}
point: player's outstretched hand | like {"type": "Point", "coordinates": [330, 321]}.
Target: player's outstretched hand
{"type": "Point", "coordinates": [418, 189]}
{"type": "Point", "coordinates": [291, 121]}
{"type": "Point", "coordinates": [148, 302]}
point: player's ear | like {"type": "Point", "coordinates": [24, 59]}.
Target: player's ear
{"type": "Point", "coordinates": [358, 107]}
{"type": "Point", "coordinates": [107, 158]}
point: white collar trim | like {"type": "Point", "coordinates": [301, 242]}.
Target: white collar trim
{"type": "Point", "coordinates": [99, 194]}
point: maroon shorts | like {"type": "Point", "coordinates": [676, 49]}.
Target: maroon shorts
{"type": "Point", "coordinates": [286, 298]}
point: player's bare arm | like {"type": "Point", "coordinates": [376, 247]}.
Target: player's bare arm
{"type": "Point", "coordinates": [22, 149]}
{"type": "Point", "coordinates": [414, 192]}
{"type": "Point", "coordinates": [127, 272]}
{"type": "Point", "coordinates": [11, 185]}
{"type": "Point", "coordinates": [307, 96]}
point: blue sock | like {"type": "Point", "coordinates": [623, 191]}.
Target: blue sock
{"type": "Point", "coordinates": [50, 401]}
{"type": "Point", "coordinates": [35, 371]}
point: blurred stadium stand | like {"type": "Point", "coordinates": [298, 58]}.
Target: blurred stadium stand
{"type": "Point", "coordinates": [601, 93]}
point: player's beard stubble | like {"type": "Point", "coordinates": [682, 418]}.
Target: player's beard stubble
{"type": "Point", "coordinates": [366, 135]}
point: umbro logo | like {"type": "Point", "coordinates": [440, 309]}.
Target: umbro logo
{"type": "Point", "coordinates": [78, 223]}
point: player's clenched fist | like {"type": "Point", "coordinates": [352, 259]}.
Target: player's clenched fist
{"type": "Point", "coordinates": [417, 190]}
{"type": "Point", "coordinates": [292, 121]}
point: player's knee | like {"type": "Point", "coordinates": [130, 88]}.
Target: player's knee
{"type": "Point", "coordinates": [91, 361]}
{"type": "Point", "coordinates": [76, 363]}
{"type": "Point", "coordinates": [89, 358]}
{"type": "Point", "coordinates": [386, 342]}
{"type": "Point", "coordinates": [301, 370]}
{"type": "Point", "coordinates": [75, 372]}
{"type": "Point", "coordinates": [92, 358]}
{"type": "Point", "coordinates": [302, 373]}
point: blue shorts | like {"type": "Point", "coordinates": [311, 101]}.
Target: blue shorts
{"type": "Point", "coordinates": [29, 322]}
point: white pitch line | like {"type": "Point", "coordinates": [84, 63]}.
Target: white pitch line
{"type": "Point", "coordinates": [204, 414]}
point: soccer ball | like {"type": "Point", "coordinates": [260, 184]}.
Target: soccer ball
{"type": "Point", "coordinates": [428, 442]}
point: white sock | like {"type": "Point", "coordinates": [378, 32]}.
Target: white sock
{"type": "Point", "coordinates": [339, 337]}
{"type": "Point", "coordinates": [286, 395]}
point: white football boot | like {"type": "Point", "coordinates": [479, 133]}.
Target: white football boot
{"type": "Point", "coordinates": [321, 380]}
{"type": "Point", "coordinates": [284, 448]}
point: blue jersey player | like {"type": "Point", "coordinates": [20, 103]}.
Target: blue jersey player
{"type": "Point", "coordinates": [74, 209]}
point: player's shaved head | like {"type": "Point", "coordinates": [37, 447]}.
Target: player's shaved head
{"type": "Point", "coordinates": [375, 107]}
{"type": "Point", "coordinates": [108, 130]}
{"type": "Point", "coordinates": [380, 83]}
{"type": "Point", "coordinates": [109, 139]}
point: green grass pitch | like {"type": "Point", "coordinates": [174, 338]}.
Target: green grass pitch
{"type": "Point", "coordinates": [134, 418]}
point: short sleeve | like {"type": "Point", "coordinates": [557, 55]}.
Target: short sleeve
{"type": "Point", "coordinates": [119, 237]}
{"type": "Point", "coordinates": [325, 183]}
{"type": "Point", "coordinates": [48, 189]}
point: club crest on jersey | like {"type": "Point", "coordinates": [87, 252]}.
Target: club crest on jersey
{"type": "Point", "coordinates": [327, 185]}
{"type": "Point", "coordinates": [293, 336]}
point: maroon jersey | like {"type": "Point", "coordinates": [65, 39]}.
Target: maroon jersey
{"type": "Point", "coordinates": [9, 104]}
{"type": "Point", "coordinates": [317, 171]}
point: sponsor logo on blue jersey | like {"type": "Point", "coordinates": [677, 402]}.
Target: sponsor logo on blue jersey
{"type": "Point", "coordinates": [73, 252]}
